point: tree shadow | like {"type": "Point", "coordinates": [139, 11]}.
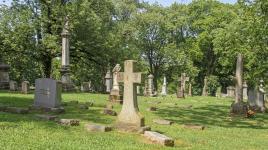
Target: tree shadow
{"type": "Point", "coordinates": [210, 115]}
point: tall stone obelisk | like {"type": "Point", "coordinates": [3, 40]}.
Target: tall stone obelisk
{"type": "Point", "coordinates": [67, 84]}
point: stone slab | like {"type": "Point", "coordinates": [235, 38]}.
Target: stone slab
{"type": "Point", "coordinates": [97, 128]}
{"type": "Point", "coordinates": [158, 138]}
{"type": "Point", "coordinates": [69, 122]}
{"type": "Point", "coordinates": [17, 110]}
{"type": "Point", "coordinates": [143, 129]}
{"type": "Point", "coordinates": [162, 122]}
{"type": "Point", "coordinates": [196, 127]}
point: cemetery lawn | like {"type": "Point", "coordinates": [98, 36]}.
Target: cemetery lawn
{"type": "Point", "coordinates": [222, 132]}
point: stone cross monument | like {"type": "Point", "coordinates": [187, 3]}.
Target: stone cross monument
{"type": "Point", "coordinates": [67, 84]}
{"type": "Point", "coordinates": [164, 87]}
{"type": "Point", "coordinates": [130, 118]}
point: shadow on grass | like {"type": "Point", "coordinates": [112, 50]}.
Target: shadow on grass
{"type": "Point", "coordinates": [72, 111]}
{"type": "Point", "coordinates": [210, 115]}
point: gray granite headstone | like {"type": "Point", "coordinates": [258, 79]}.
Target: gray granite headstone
{"type": "Point", "coordinates": [13, 86]}
{"type": "Point", "coordinates": [47, 93]}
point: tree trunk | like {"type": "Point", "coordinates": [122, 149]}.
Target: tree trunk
{"type": "Point", "coordinates": [239, 79]}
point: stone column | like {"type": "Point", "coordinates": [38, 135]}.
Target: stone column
{"type": "Point", "coordinates": [67, 84]}
{"type": "Point", "coordinates": [238, 107]}
{"type": "Point", "coordinates": [164, 87]}
{"type": "Point", "coordinates": [181, 86]}
{"type": "Point", "coordinates": [205, 88]}
{"type": "Point", "coordinates": [115, 92]}
{"type": "Point", "coordinates": [245, 91]}
{"type": "Point", "coordinates": [150, 85]}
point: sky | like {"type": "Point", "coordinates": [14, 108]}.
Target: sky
{"type": "Point", "coordinates": [162, 2]}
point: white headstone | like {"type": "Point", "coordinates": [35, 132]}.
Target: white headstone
{"type": "Point", "coordinates": [47, 93]}
{"type": "Point", "coordinates": [25, 87]}
{"type": "Point", "coordinates": [164, 87]}
{"type": "Point", "coordinates": [108, 81]}
{"type": "Point", "coordinates": [150, 85]}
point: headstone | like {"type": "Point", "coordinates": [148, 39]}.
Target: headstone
{"type": "Point", "coordinates": [245, 91]}
{"type": "Point", "coordinates": [231, 91]}
{"type": "Point", "coordinates": [151, 85]}
{"type": "Point", "coordinates": [190, 90]}
{"type": "Point", "coordinates": [47, 93]}
{"type": "Point", "coordinates": [205, 88]}
{"type": "Point", "coordinates": [67, 84]}
{"type": "Point", "coordinates": [181, 86]}
{"type": "Point", "coordinates": [138, 90]}
{"type": "Point", "coordinates": [256, 98]}
{"type": "Point", "coordinates": [4, 76]}
{"type": "Point", "coordinates": [13, 86]}
{"type": "Point", "coordinates": [25, 87]}
{"type": "Point", "coordinates": [162, 122]}
{"type": "Point", "coordinates": [238, 107]}
{"type": "Point", "coordinates": [115, 95]}
{"type": "Point", "coordinates": [145, 90]}
{"type": "Point", "coordinates": [159, 138]}
{"type": "Point", "coordinates": [86, 87]}
{"type": "Point", "coordinates": [108, 81]}
{"type": "Point", "coordinates": [164, 87]}
{"type": "Point", "coordinates": [130, 118]}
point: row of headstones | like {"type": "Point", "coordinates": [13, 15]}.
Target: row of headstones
{"type": "Point", "coordinates": [48, 94]}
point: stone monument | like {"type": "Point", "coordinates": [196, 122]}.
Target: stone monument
{"type": "Point", "coordinates": [130, 118]}
{"type": "Point", "coordinates": [205, 88]}
{"type": "Point", "coordinates": [86, 87]}
{"type": "Point", "coordinates": [164, 87]}
{"type": "Point", "coordinates": [115, 95]}
{"type": "Point", "coordinates": [182, 85]}
{"type": "Point", "coordinates": [47, 93]}
{"type": "Point", "coordinates": [231, 91]}
{"type": "Point", "coordinates": [13, 85]}
{"type": "Point", "coordinates": [67, 84]}
{"type": "Point", "coordinates": [151, 85]}
{"type": "Point", "coordinates": [238, 107]}
{"type": "Point", "coordinates": [245, 90]}
{"type": "Point", "coordinates": [256, 98]}
{"type": "Point", "coordinates": [108, 81]}
{"type": "Point", "coordinates": [4, 76]}
{"type": "Point", "coordinates": [25, 87]}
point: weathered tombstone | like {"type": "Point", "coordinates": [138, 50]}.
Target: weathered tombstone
{"type": "Point", "coordinates": [218, 92]}
{"type": "Point", "coordinates": [231, 91]}
{"type": "Point", "coordinates": [115, 95]}
{"type": "Point", "coordinates": [67, 84]}
{"type": "Point", "coordinates": [205, 88]}
{"type": "Point", "coordinates": [238, 107]}
{"type": "Point", "coordinates": [130, 118]}
{"type": "Point", "coordinates": [86, 87]}
{"type": "Point", "coordinates": [190, 90]}
{"type": "Point", "coordinates": [158, 138]}
{"type": "Point", "coordinates": [181, 86]}
{"type": "Point", "coordinates": [245, 91]}
{"type": "Point", "coordinates": [25, 87]}
{"type": "Point", "coordinates": [4, 76]}
{"type": "Point", "coordinates": [108, 81]}
{"type": "Point", "coordinates": [150, 85]}
{"type": "Point", "coordinates": [47, 93]}
{"type": "Point", "coordinates": [138, 90]}
{"type": "Point", "coordinates": [145, 90]}
{"type": "Point", "coordinates": [256, 98]}
{"type": "Point", "coordinates": [13, 86]}
{"type": "Point", "coordinates": [164, 87]}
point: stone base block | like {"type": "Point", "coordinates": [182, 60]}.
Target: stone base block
{"type": "Point", "coordinates": [97, 128]}
{"type": "Point", "coordinates": [159, 138]}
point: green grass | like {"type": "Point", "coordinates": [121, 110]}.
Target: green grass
{"type": "Point", "coordinates": [221, 132]}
